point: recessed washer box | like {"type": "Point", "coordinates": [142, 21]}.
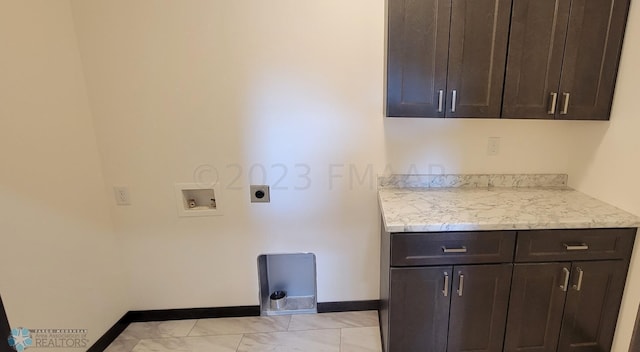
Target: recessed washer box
{"type": "Point", "coordinates": [197, 200]}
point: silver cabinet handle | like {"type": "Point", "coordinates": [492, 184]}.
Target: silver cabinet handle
{"type": "Point", "coordinates": [565, 107]}
{"type": "Point", "coordinates": [554, 103]}
{"type": "Point", "coordinates": [445, 291]}
{"type": "Point", "coordinates": [461, 284]}
{"type": "Point", "coordinates": [565, 286]}
{"type": "Point", "coordinates": [440, 100]}
{"type": "Point", "coordinates": [454, 100]}
{"type": "Point", "coordinates": [577, 247]}
{"type": "Point", "coordinates": [462, 249]}
{"type": "Point", "coordinates": [578, 286]}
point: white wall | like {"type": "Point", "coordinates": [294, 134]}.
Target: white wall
{"type": "Point", "coordinates": [460, 146]}
{"type": "Point", "coordinates": [59, 265]}
{"type": "Point", "coordinates": [177, 85]}
{"type": "Point", "coordinates": [605, 163]}
{"type": "Point", "coordinates": [179, 88]}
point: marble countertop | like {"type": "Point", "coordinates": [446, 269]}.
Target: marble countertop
{"type": "Point", "coordinates": [418, 209]}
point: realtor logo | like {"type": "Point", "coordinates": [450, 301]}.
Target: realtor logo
{"type": "Point", "coordinates": [20, 339]}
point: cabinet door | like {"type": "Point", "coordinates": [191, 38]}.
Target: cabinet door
{"type": "Point", "coordinates": [534, 62]}
{"type": "Point", "coordinates": [593, 302]}
{"type": "Point", "coordinates": [419, 309]}
{"type": "Point", "coordinates": [417, 52]}
{"type": "Point", "coordinates": [479, 307]}
{"type": "Point", "coordinates": [5, 328]}
{"type": "Point", "coordinates": [535, 307]}
{"type": "Point", "coordinates": [477, 55]}
{"type": "Point", "coordinates": [635, 339]}
{"type": "Point", "coordinates": [592, 52]}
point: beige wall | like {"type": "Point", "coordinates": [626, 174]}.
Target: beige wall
{"type": "Point", "coordinates": [59, 264]}
{"type": "Point", "coordinates": [460, 146]}
{"type": "Point", "coordinates": [176, 85]}
{"type": "Point", "coordinates": [177, 88]}
{"type": "Point", "coordinates": [606, 164]}
{"type": "Point", "coordinates": [179, 84]}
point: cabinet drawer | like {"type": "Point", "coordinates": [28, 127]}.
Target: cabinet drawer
{"type": "Point", "coordinates": [554, 245]}
{"type": "Point", "coordinates": [434, 248]}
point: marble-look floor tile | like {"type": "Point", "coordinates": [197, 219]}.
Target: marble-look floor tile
{"type": "Point", "coordinates": [224, 343]}
{"type": "Point", "coordinates": [327, 340]}
{"type": "Point", "coordinates": [243, 325]}
{"type": "Point", "coordinates": [158, 329]}
{"type": "Point", "coordinates": [122, 345]}
{"type": "Point", "coordinates": [360, 340]}
{"type": "Point", "coordinates": [333, 320]}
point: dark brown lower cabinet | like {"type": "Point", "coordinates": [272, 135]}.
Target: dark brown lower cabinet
{"type": "Point", "coordinates": [448, 308]}
{"type": "Point", "coordinates": [502, 291]}
{"type": "Point", "coordinates": [564, 307]}
{"type": "Point", "coordinates": [536, 306]}
{"type": "Point", "coordinates": [593, 302]}
{"type": "Point", "coordinates": [479, 305]}
{"type": "Point", "coordinates": [419, 308]}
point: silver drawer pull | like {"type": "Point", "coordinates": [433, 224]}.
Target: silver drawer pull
{"type": "Point", "coordinates": [565, 108]}
{"type": "Point", "coordinates": [554, 103]}
{"type": "Point", "coordinates": [462, 249]}
{"type": "Point", "coordinates": [578, 286]}
{"type": "Point", "coordinates": [576, 247]}
{"type": "Point", "coordinates": [454, 100]}
{"type": "Point", "coordinates": [445, 291]}
{"type": "Point", "coordinates": [565, 286]}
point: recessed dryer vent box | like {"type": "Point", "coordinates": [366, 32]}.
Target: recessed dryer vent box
{"type": "Point", "coordinates": [292, 275]}
{"type": "Point", "coordinates": [196, 200]}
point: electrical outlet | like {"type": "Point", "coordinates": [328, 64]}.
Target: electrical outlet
{"type": "Point", "coordinates": [259, 194]}
{"type": "Point", "coordinates": [493, 147]}
{"type": "Point", "coordinates": [122, 195]}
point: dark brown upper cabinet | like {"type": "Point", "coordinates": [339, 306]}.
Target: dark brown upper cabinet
{"type": "Point", "coordinates": [563, 58]}
{"type": "Point", "coordinates": [446, 58]}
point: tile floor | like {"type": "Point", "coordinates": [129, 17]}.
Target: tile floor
{"type": "Point", "coordinates": [326, 332]}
